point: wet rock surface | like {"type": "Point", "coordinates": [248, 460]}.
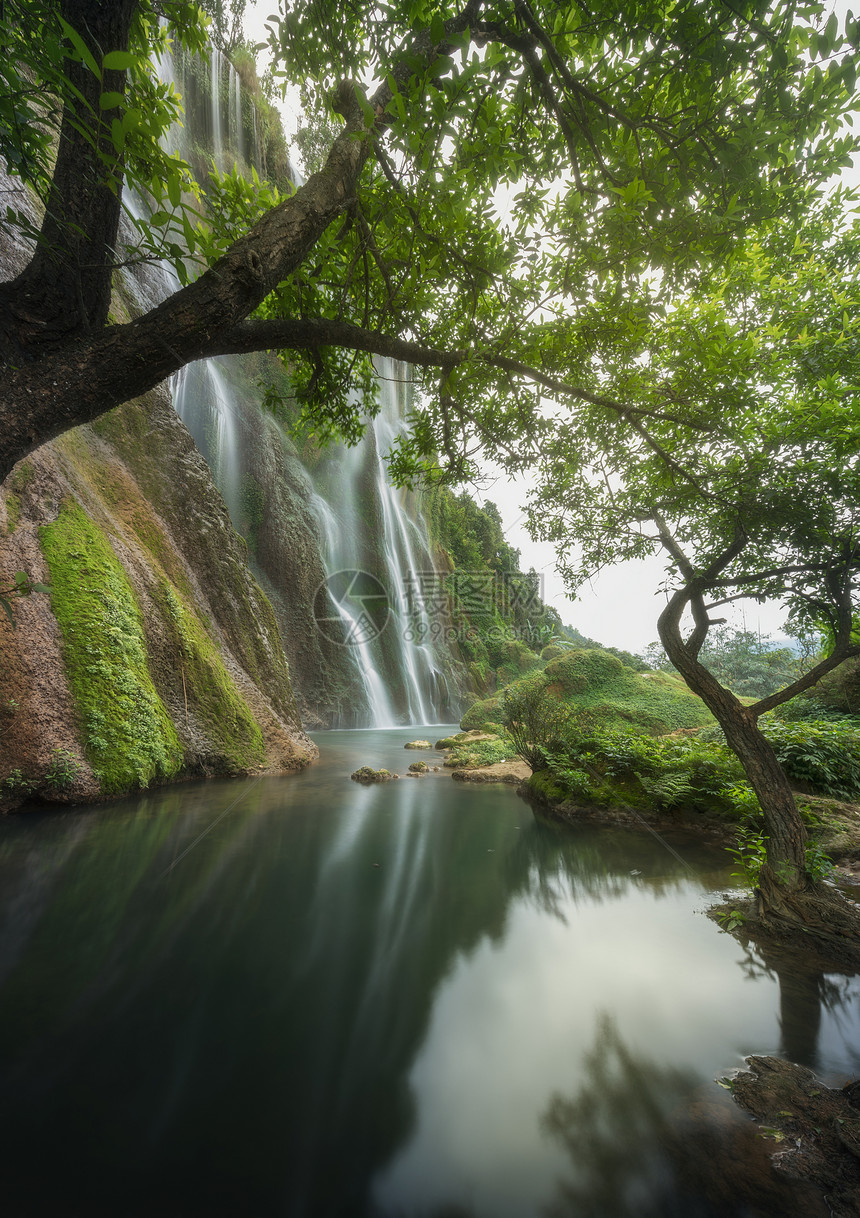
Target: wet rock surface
{"type": "Point", "coordinates": [815, 1129]}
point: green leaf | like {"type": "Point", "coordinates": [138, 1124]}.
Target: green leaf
{"type": "Point", "coordinates": [174, 189]}
{"type": "Point", "coordinates": [108, 101]}
{"type": "Point", "coordinates": [118, 61]}
{"type": "Point", "coordinates": [84, 55]}
{"type": "Point", "coordinates": [7, 608]}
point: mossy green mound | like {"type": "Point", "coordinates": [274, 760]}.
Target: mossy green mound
{"type": "Point", "coordinates": [129, 738]}
{"type": "Point", "coordinates": [366, 774]}
{"type": "Point", "coordinates": [472, 754]}
{"type": "Point", "coordinates": [614, 695]}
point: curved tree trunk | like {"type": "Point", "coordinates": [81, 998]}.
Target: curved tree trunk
{"type": "Point", "coordinates": [785, 868]}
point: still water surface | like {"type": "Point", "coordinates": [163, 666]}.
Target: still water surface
{"type": "Point", "coordinates": [299, 996]}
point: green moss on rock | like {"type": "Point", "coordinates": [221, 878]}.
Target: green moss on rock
{"type": "Point", "coordinates": [128, 736]}
{"type": "Point", "coordinates": [212, 695]}
{"type": "Point", "coordinates": [13, 511]}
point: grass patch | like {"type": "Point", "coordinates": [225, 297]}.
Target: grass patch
{"type": "Point", "coordinates": [470, 755]}
{"type": "Point", "coordinates": [129, 738]}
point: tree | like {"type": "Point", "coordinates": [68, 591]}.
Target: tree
{"type": "Point", "coordinates": [635, 138]}
{"type": "Point", "coordinates": [749, 665]}
{"type": "Point", "coordinates": [735, 449]}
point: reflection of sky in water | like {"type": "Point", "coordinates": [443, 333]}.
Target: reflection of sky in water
{"type": "Point", "coordinates": [512, 1023]}
{"type": "Point", "coordinates": [410, 993]}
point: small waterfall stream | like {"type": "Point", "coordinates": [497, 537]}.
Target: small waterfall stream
{"type": "Point", "coordinates": [363, 524]}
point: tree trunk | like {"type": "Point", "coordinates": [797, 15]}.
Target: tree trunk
{"type": "Point", "coordinates": [785, 868]}
{"type": "Point", "coordinates": [65, 290]}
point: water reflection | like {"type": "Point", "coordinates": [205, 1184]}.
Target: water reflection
{"type": "Point", "coordinates": [815, 1007]}
{"type": "Point", "coordinates": [645, 1141]}
{"type": "Point", "coordinates": [347, 1000]}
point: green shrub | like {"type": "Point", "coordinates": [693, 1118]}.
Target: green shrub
{"type": "Point", "coordinates": [469, 755]}
{"type": "Point", "coordinates": [605, 767]}
{"type": "Point", "coordinates": [535, 721]}
{"type": "Point", "coordinates": [822, 754]}
{"type": "Point", "coordinates": [63, 769]}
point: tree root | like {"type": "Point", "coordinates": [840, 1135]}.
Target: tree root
{"type": "Point", "coordinates": [818, 919]}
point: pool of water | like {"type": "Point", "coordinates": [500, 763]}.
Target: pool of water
{"type": "Point", "coordinates": [298, 996]}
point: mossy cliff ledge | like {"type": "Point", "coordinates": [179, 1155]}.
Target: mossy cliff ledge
{"type": "Point", "coordinates": [157, 656]}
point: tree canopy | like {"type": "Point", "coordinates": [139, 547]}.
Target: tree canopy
{"type": "Point", "coordinates": [500, 170]}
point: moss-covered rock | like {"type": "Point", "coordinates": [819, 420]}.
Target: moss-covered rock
{"type": "Point", "coordinates": [366, 775]}
{"type": "Point", "coordinates": [129, 738]}
{"type": "Point", "coordinates": [419, 767]}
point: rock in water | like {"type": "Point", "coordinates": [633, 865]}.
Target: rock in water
{"type": "Point", "coordinates": [367, 774]}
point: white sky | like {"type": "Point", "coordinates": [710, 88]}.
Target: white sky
{"type": "Point", "coordinates": [621, 606]}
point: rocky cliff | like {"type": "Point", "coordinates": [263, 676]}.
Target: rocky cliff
{"type": "Point", "coordinates": [157, 654]}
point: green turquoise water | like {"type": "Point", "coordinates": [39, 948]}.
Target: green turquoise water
{"type": "Point", "coordinates": [301, 997]}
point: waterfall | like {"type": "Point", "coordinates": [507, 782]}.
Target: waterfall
{"type": "Point", "coordinates": [363, 526]}
{"type": "Point", "coordinates": [236, 114]}
{"type": "Point", "coordinates": [215, 61]}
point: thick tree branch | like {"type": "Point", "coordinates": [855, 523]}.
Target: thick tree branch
{"type": "Point", "coordinates": [45, 396]}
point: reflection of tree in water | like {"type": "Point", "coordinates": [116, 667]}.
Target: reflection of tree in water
{"type": "Point", "coordinates": [646, 1142]}
{"type": "Point", "coordinates": [554, 865]}
{"type": "Point", "coordinates": [805, 992]}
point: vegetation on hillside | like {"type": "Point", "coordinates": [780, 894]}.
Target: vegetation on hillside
{"type": "Point", "coordinates": [612, 695]}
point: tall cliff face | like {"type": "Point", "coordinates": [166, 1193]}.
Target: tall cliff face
{"type": "Point", "coordinates": [157, 655]}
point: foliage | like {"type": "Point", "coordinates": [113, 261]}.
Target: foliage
{"type": "Point", "coordinates": [821, 754]}
{"type": "Point", "coordinates": [609, 693]}
{"type": "Point", "coordinates": [469, 754]}
{"type": "Point", "coordinates": [534, 720]}
{"type": "Point", "coordinates": [41, 52]}
{"type": "Point", "coordinates": [499, 619]}
{"type": "Point", "coordinates": [63, 768]}
{"type": "Point", "coordinates": [750, 854]}
{"type": "Point", "coordinates": [603, 768]}
{"type": "Point", "coordinates": [128, 736]}
{"type": "Point", "coordinates": [226, 18]}
{"type": "Point", "coordinates": [741, 660]}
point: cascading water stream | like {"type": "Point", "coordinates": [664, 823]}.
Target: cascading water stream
{"type": "Point", "coordinates": [359, 512]}
{"type": "Point", "coordinates": [215, 63]}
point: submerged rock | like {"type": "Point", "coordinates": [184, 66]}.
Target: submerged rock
{"type": "Point", "coordinates": [366, 774]}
